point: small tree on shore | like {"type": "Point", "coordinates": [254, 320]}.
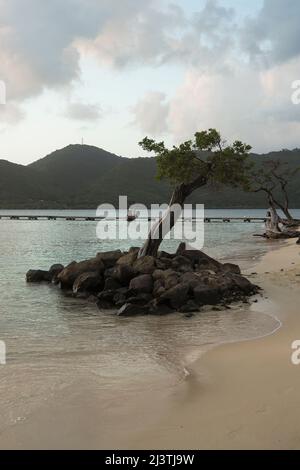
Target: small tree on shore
{"type": "Point", "coordinates": [273, 179]}
{"type": "Point", "coordinates": [205, 160]}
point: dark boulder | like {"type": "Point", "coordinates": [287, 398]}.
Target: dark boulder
{"type": "Point", "coordinates": [176, 296]}
{"type": "Point", "coordinates": [191, 278]}
{"type": "Point", "coordinates": [107, 295]}
{"type": "Point", "coordinates": [54, 271]}
{"type": "Point", "coordinates": [158, 288]}
{"type": "Point", "coordinates": [109, 258]}
{"type": "Point", "coordinates": [103, 304]}
{"type": "Point", "coordinates": [123, 273]}
{"type": "Point", "coordinates": [142, 283]}
{"type": "Point", "coordinates": [88, 282]}
{"type": "Point", "coordinates": [171, 279]}
{"type": "Point", "coordinates": [69, 274]}
{"type": "Point", "coordinates": [144, 265]}
{"type": "Point", "coordinates": [163, 263]}
{"type": "Point", "coordinates": [231, 268]}
{"type": "Point", "coordinates": [159, 309]}
{"type": "Point", "coordinates": [206, 295]}
{"type": "Point", "coordinates": [189, 307]}
{"type": "Point", "coordinates": [38, 275]}
{"type": "Point", "coordinates": [182, 264]}
{"type": "Point", "coordinates": [129, 310]}
{"type": "Point", "coordinates": [165, 254]}
{"type": "Point", "coordinates": [129, 258]}
{"type": "Point", "coordinates": [120, 297]}
{"type": "Point", "coordinates": [140, 299]}
{"type": "Point", "coordinates": [243, 284]}
{"type": "Point", "coordinates": [198, 259]}
{"type": "Point", "coordinates": [111, 284]}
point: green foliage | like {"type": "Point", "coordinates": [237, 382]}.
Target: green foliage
{"type": "Point", "coordinates": [207, 156]}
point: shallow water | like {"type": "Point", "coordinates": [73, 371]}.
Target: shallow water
{"type": "Point", "coordinates": [53, 340]}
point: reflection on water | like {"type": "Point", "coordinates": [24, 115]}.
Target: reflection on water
{"type": "Point", "coordinates": [53, 340]}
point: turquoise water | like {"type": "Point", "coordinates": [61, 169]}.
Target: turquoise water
{"type": "Point", "coordinates": [52, 340]}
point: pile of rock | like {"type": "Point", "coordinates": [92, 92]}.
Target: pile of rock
{"type": "Point", "coordinates": [183, 281]}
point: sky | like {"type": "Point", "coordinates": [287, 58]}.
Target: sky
{"type": "Point", "coordinates": [113, 71]}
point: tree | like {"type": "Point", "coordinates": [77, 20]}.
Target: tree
{"type": "Point", "coordinates": [273, 178]}
{"type": "Point", "coordinates": [191, 165]}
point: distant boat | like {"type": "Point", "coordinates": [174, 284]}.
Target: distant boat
{"type": "Point", "coordinates": [131, 216]}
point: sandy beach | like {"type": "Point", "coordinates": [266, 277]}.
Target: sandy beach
{"type": "Point", "coordinates": [237, 396]}
{"type": "Point", "coordinates": [244, 395]}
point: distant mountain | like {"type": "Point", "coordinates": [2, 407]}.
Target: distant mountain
{"type": "Point", "coordinates": [82, 176]}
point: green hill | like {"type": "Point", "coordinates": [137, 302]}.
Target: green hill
{"type": "Point", "coordinates": [82, 176]}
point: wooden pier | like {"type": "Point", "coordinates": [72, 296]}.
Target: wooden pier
{"type": "Point", "coordinates": [75, 218]}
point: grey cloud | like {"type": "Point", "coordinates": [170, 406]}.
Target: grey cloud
{"type": "Point", "coordinates": [273, 36]}
{"type": "Point", "coordinates": [83, 112]}
{"type": "Point", "coordinates": [41, 40]}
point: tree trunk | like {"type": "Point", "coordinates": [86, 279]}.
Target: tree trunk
{"type": "Point", "coordinates": [272, 220]}
{"type": "Point", "coordinates": [285, 209]}
{"type": "Point", "coordinates": [163, 226]}
{"type": "Point", "coordinates": [273, 231]}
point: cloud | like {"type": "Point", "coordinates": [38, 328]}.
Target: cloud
{"type": "Point", "coordinates": [83, 112]}
{"type": "Point", "coordinates": [273, 36]}
{"type": "Point", "coordinates": [151, 113]}
{"type": "Point", "coordinates": [40, 45]}
{"type": "Point", "coordinates": [243, 103]}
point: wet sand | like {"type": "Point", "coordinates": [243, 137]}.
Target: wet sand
{"type": "Point", "coordinates": [238, 395]}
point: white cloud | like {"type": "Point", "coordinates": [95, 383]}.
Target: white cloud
{"type": "Point", "coordinates": [151, 113]}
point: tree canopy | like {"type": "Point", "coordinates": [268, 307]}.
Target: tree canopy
{"type": "Point", "coordinates": [207, 156]}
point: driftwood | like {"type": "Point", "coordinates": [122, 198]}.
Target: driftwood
{"type": "Point", "coordinates": [275, 229]}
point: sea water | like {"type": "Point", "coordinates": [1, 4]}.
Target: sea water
{"type": "Point", "coordinates": [53, 340]}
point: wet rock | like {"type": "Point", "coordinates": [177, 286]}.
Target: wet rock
{"type": "Point", "coordinates": [38, 275]}
{"type": "Point", "coordinates": [142, 283]}
{"type": "Point", "coordinates": [129, 310]}
{"type": "Point", "coordinates": [189, 307]}
{"type": "Point", "coordinates": [129, 258]}
{"type": "Point", "coordinates": [158, 274]}
{"type": "Point", "coordinates": [109, 258]}
{"type": "Point", "coordinates": [158, 288]}
{"type": "Point", "coordinates": [199, 259]}
{"type": "Point", "coordinates": [103, 304]}
{"type": "Point", "coordinates": [165, 254]}
{"type": "Point", "coordinates": [176, 296]}
{"type": "Point", "coordinates": [231, 268]}
{"type": "Point", "coordinates": [54, 271]}
{"type": "Point", "coordinates": [163, 263]}
{"type": "Point", "coordinates": [206, 295]}
{"type": "Point", "coordinates": [140, 299]}
{"type": "Point", "coordinates": [243, 284]}
{"type": "Point", "coordinates": [107, 295]}
{"type": "Point", "coordinates": [182, 264]}
{"type": "Point", "coordinates": [88, 282]}
{"type": "Point", "coordinates": [111, 284]}
{"type": "Point", "coordinates": [144, 265]}
{"type": "Point", "coordinates": [69, 274]}
{"type": "Point", "coordinates": [159, 309]}
{"type": "Point", "coordinates": [119, 298]}
{"type": "Point", "coordinates": [123, 273]}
